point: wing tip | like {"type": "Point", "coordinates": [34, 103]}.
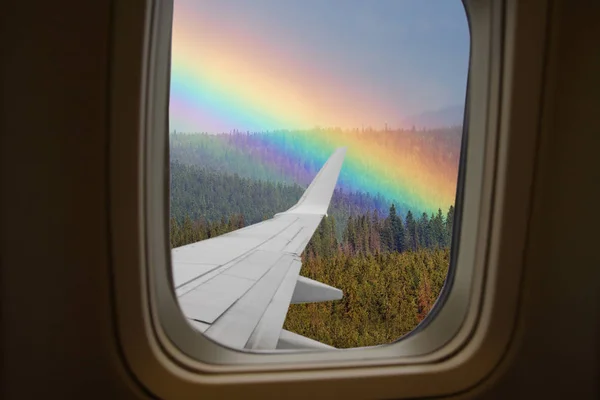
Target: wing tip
{"type": "Point", "coordinates": [317, 196]}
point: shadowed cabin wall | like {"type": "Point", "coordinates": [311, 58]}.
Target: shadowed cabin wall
{"type": "Point", "coordinates": [57, 334]}
{"type": "Point", "coordinates": [556, 351]}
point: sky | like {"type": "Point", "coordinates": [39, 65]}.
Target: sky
{"type": "Point", "coordinates": [295, 64]}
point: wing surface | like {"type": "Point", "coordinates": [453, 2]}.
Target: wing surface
{"type": "Point", "coordinates": [236, 288]}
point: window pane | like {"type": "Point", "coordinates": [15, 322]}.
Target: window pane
{"type": "Point", "coordinates": [262, 95]}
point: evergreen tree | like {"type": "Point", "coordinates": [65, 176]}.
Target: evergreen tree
{"type": "Point", "coordinates": [438, 229]}
{"type": "Point", "coordinates": [397, 228]}
{"type": "Point", "coordinates": [411, 232]}
{"type": "Point", "coordinates": [387, 239]}
{"type": "Point", "coordinates": [449, 225]}
{"type": "Point", "coordinates": [374, 233]}
{"type": "Point", "coordinates": [424, 231]}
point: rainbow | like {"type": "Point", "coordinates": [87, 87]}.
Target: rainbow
{"type": "Point", "coordinates": [261, 88]}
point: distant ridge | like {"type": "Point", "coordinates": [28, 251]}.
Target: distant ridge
{"type": "Point", "coordinates": [441, 118]}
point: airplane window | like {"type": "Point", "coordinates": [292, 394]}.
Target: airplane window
{"type": "Point", "coordinates": [314, 167]}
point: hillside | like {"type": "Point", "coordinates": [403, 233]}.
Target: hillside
{"type": "Point", "coordinates": [200, 193]}
{"type": "Point", "coordinates": [416, 170]}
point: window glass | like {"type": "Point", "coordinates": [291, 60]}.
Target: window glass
{"type": "Point", "coordinates": [262, 94]}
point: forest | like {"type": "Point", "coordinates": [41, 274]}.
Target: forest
{"type": "Point", "coordinates": [391, 272]}
{"type": "Point", "coordinates": [201, 194]}
{"type": "Point", "coordinates": [390, 262]}
{"type": "Point", "coordinates": [390, 269]}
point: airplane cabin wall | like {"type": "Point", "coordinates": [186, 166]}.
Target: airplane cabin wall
{"type": "Point", "coordinates": [556, 351]}
{"type": "Point", "coordinates": [58, 339]}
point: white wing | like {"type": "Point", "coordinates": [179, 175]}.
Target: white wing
{"type": "Point", "coordinates": [237, 287]}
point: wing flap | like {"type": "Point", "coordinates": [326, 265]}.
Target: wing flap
{"type": "Point", "coordinates": [292, 341]}
{"type": "Point", "coordinates": [311, 291]}
{"type": "Point", "coordinates": [234, 327]}
{"type": "Point", "coordinates": [266, 333]}
{"type": "Point", "coordinates": [215, 296]}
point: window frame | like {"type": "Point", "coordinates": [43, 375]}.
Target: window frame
{"type": "Point", "coordinates": [164, 352]}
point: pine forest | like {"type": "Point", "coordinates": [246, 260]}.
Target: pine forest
{"type": "Point", "coordinates": [391, 263]}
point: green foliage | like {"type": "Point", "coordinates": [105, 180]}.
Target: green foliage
{"type": "Point", "coordinates": [385, 296]}
{"type": "Point", "coordinates": [201, 194]}
{"type": "Point", "coordinates": [412, 236]}
{"type": "Point", "coordinates": [370, 234]}
{"type": "Point", "coordinates": [190, 231]}
{"type": "Point", "coordinates": [388, 288]}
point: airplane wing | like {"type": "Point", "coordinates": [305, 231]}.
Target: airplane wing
{"type": "Point", "coordinates": [236, 288]}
